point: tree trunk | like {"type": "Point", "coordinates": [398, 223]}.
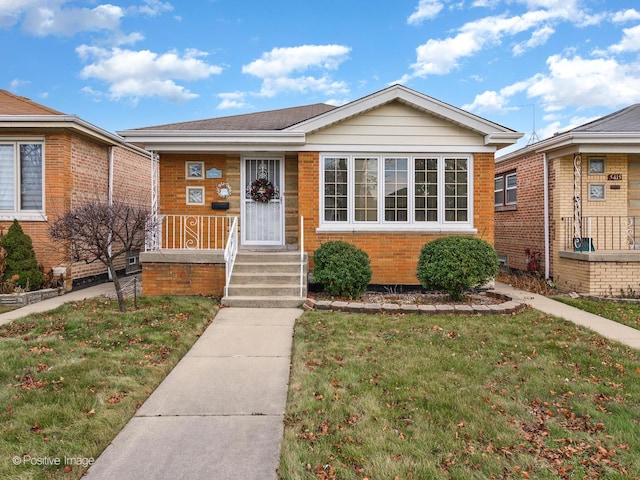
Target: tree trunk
{"type": "Point", "coordinates": [116, 284]}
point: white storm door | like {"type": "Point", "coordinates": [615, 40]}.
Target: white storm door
{"type": "Point", "coordinates": [262, 211]}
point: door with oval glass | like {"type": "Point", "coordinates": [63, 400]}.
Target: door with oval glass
{"type": "Point", "coordinates": [263, 204]}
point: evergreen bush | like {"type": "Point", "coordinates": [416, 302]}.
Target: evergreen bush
{"type": "Point", "coordinates": [455, 264]}
{"type": "Point", "coordinates": [20, 259]}
{"type": "Point", "coordinates": [342, 269]}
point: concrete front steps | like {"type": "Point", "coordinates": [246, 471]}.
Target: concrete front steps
{"type": "Point", "coordinates": [267, 279]}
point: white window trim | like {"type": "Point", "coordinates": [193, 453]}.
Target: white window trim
{"type": "Point", "coordinates": [195, 188]}
{"type": "Point", "coordinates": [17, 214]}
{"type": "Point", "coordinates": [507, 188]}
{"type": "Point", "coordinates": [410, 226]}
{"type": "Point", "coordinates": [187, 166]}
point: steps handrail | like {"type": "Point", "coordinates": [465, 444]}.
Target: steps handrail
{"type": "Point", "coordinates": [230, 252]}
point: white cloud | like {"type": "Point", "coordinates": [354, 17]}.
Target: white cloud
{"type": "Point", "coordinates": [16, 83]}
{"type": "Point", "coordinates": [441, 56]}
{"type": "Point", "coordinates": [629, 15]}
{"type": "Point", "coordinates": [51, 18]}
{"type": "Point", "coordinates": [232, 100]}
{"type": "Point", "coordinates": [630, 41]}
{"type": "Point", "coordinates": [284, 61]}
{"type": "Point", "coordinates": [425, 10]}
{"type": "Point", "coordinates": [538, 37]}
{"type": "Point", "coordinates": [586, 82]}
{"type": "Point", "coordinates": [153, 8]}
{"type": "Point", "coordinates": [54, 17]}
{"type": "Point", "coordinates": [278, 67]}
{"type": "Point", "coordinates": [142, 73]}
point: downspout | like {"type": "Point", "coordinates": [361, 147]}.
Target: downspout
{"type": "Point", "coordinates": [111, 153]}
{"type": "Point", "coordinates": [545, 166]}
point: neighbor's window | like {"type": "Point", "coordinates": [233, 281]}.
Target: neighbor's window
{"type": "Point", "coordinates": [596, 166]}
{"type": "Point", "coordinates": [506, 189]}
{"type": "Point", "coordinates": [21, 169]}
{"type": "Point", "coordinates": [415, 191]}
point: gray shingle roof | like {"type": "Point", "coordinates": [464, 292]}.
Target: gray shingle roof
{"type": "Point", "coordinates": [269, 120]}
{"type": "Point", "coordinates": [625, 120]}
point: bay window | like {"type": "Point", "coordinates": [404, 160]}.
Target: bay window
{"type": "Point", "coordinates": [414, 192]}
{"type": "Point", "coordinates": [21, 176]}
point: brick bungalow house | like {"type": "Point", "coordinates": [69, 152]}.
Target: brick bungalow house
{"type": "Point", "coordinates": [387, 173]}
{"type": "Point", "coordinates": [49, 162]}
{"type": "Point", "coordinates": [569, 206]}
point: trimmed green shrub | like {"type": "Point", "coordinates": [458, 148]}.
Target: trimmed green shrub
{"type": "Point", "coordinates": [342, 269]}
{"type": "Point", "coordinates": [455, 264]}
{"type": "Point", "coordinates": [21, 258]}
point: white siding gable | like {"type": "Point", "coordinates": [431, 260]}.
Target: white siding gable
{"type": "Point", "coordinates": [395, 125]}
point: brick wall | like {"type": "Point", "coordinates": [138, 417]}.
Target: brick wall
{"type": "Point", "coordinates": [394, 256]}
{"type": "Point", "coordinates": [183, 279]}
{"type": "Point", "coordinates": [77, 170]}
{"type": "Point", "coordinates": [605, 278]}
{"type": "Point", "coordinates": [522, 227]}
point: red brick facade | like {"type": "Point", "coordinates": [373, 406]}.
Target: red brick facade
{"type": "Point", "coordinates": [521, 226]}
{"type": "Point", "coordinates": [394, 256]}
{"type": "Point", "coordinates": [77, 170]}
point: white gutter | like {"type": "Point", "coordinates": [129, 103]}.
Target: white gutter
{"type": "Point", "coordinates": [65, 121]}
{"type": "Point", "coordinates": [547, 262]}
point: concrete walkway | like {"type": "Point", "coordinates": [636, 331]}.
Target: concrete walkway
{"type": "Point", "coordinates": [103, 289]}
{"type": "Point", "coordinates": [607, 328]}
{"type": "Point", "coordinates": [219, 414]}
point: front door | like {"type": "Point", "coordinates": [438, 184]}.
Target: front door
{"type": "Point", "coordinates": [262, 220]}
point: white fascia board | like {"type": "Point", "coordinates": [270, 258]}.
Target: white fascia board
{"type": "Point", "coordinates": [502, 138]}
{"type": "Point", "coordinates": [586, 142]}
{"type": "Point", "coordinates": [71, 122]}
{"type": "Point", "coordinates": [409, 97]}
{"type": "Point", "coordinates": [452, 149]}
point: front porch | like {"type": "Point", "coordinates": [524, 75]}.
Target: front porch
{"type": "Point", "coordinates": [198, 255]}
{"type": "Point", "coordinates": [599, 255]}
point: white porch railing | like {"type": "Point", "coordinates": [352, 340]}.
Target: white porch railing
{"type": "Point", "coordinates": [193, 232]}
{"type": "Point", "coordinates": [230, 252]}
{"type": "Point", "coordinates": [597, 233]}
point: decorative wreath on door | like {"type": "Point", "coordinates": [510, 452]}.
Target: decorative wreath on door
{"type": "Point", "coordinates": [262, 190]}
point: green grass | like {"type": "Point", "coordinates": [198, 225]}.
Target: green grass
{"type": "Point", "coordinates": [459, 397]}
{"type": "Point", "coordinates": [627, 313]}
{"type": "Point", "coordinates": [73, 377]}
{"type": "Point", "coordinates": [5, 308]}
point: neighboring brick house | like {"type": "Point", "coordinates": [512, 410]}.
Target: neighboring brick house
{"type": "Point", "coordinates": [50, 162]}
{"type": "Point", "coordinates": [388, 173]}
{"type": "Point", "coordinates": [569, 206]}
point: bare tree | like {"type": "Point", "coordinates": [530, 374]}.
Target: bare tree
{"type": "Point", "coordinates": [98, 232]}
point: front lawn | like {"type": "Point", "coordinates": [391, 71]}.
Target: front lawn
{"type": "Point", "coordinates": [72, 378]}
{"type": "Point", "coordinates": [627, 313]}
{"type": "Point", "coordinates": [459, 397]}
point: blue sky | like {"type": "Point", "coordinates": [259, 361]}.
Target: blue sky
{"type": "Point", "coordinates": [126, 64]}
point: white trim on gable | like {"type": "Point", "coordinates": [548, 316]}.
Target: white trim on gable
{"type": "Point", "coordinates": [493, 133]}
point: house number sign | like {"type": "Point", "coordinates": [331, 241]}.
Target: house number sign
{"type": "Point", "coordinates": [614, 176]}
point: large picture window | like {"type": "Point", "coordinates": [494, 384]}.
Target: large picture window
{"type": "Point", "coordinates": [21, 177]}
{"type": "Point", "coordinates": [412, 191]}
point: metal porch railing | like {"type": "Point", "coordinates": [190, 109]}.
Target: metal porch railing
{"type": "Point", "coordinates": [596, 233]}
{"type": "Point", "coordinates": [193, 232]}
